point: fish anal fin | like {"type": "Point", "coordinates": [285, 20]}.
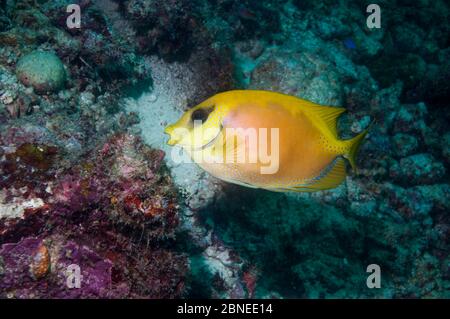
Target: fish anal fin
{"type": "Point", "coordinates": [332, 178]}
{"type": "Point", "coordinates": [237, 182]}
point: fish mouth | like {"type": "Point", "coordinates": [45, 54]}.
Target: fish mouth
{"type": "Point", "coordinates": [175, 139]}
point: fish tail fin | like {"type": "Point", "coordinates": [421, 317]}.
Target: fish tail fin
{"type": "Point", "coordinates": [353, 146]}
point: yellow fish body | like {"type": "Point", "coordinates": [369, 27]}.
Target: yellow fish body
{"type": "Point", "coordinates": [266, 140]}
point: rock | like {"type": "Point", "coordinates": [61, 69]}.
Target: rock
{"type": "Point", "coordinates": [438, 194]}
{"type": "Point", "coordinates": [408, 37]}
{"type": "Point", "coordinates": [369, 43]}
{"type": "Point", "coordinates": [446, 146]}
{"type": "Point", "coordinates": [133, 220]}
{"type": "Point", "coordinates": [164, 27]}
{"type": "Point", "coordinates": [410, 118]}
{"type": "Point", "coordinates": [359, 125]}
{"type": "Point", "coordinates": [79, 187]}
{"type": "Point", "coordinates": [417, 169]}
{"type": "Point", "coordinates": [435, 86]}
{"type": "Point", "coordinates": [388, 69]}
{"type": "Point", "coordinates": [42, 70]}
{"type": "Point", "coordinates": [299, 74]}
{"type": "Point", "coordinates": [330, 28]}
{"type": "Point", "coordinates": [86, 99]}
{"type": "Point", "coordinates": [5, 22]}
{"type": "Point", "coordinates": [404, 144]}
{"type": "Point", "coordinates": [251, 48]}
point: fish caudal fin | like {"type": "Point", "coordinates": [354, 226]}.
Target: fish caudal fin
{"type": "Point", "coordinates": [353, 146]}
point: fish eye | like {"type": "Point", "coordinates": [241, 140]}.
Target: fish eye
{"type": "Point", "coordinates": [202, 114]}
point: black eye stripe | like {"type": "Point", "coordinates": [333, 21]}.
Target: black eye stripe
{"type": "Point", "coordinates": [202, 114]}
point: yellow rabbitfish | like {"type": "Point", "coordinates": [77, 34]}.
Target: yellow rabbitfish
{"type": "Point", "coordinates": [267, 140]}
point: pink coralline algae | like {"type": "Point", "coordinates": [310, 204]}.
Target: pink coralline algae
{"type": "Point", "coordinates": [95, 272]}
{"type": "Point", "coordinates": [106, 220]}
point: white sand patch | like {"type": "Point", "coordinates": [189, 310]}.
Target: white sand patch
{"type": "Point", "coordinates": [16, 208]}
{"type": "Point", "coordinates": [173, 85]}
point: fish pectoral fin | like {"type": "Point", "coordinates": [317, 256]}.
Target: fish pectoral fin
{"type": "Point", "coordinates": [234, 149]}
{"type": "Point", "coordinates": [332, 177]}
{"type": "Point", "coordinates": [329, 115]}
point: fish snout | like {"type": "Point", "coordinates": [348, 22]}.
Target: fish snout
{"type": "Point", "coordinates": [174, 136]}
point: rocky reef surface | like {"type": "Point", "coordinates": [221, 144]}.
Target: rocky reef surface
{"type": "Point", "coordinates": [86, 178]}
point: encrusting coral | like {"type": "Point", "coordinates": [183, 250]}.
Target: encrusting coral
{"type": "Point", "coordinates": [111, 215]}
{"type": "Point", "coordinates": [84, 179]}
{"type": "Point", "coordinates": [43, 71]}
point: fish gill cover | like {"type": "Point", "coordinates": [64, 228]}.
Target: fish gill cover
{"type": "Point", "coordinates": [89, 187]}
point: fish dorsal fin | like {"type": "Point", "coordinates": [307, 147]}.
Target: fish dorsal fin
{"type": "Point", "coordinates": [331, 177]}
{"type": "Point", "coordinates": [329, 115]}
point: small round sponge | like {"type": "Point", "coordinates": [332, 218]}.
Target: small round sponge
{"type": "Point", "coordinates": [44, 71]}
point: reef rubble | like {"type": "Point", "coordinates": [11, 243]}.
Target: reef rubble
{"type": "Point", "coordinates": [86, 178]}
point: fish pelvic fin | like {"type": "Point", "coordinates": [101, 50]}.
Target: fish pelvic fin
{"type": "Point", "coordinates": [353, 145]}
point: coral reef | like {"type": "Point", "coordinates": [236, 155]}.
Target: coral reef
{"type": "Point", "coordinates": [43, 71]}
{"type": "Point", "coordinates": [86, 178]}
{"type": "Point", "coordinates": [112, 215]}
{"type": "Point", "coordinates": [165, 27]}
